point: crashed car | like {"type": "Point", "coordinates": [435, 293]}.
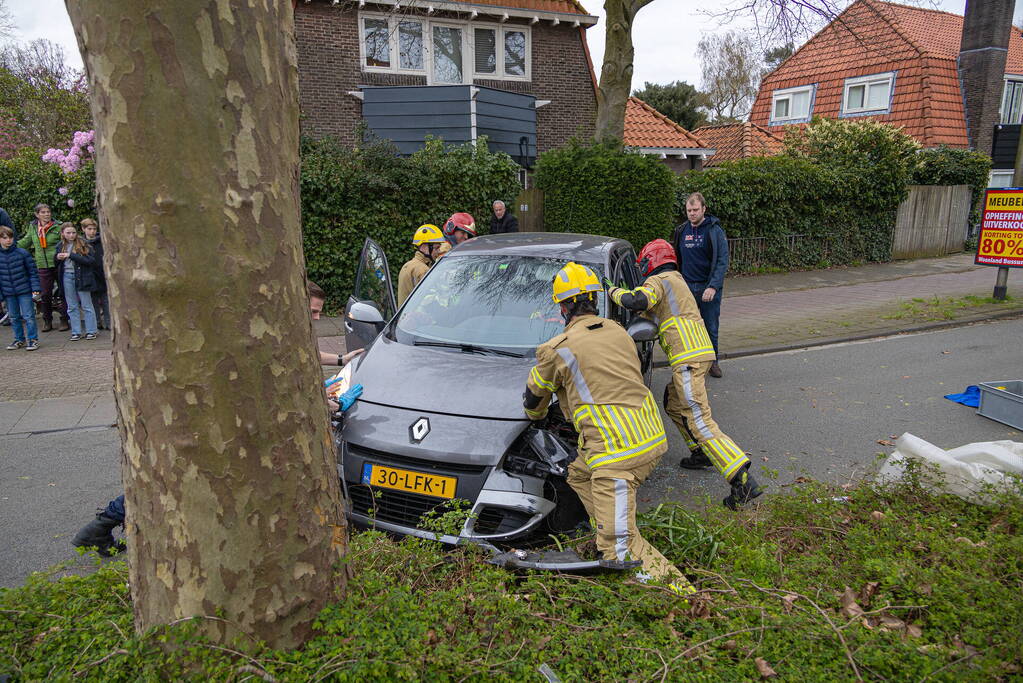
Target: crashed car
{"type": "Point", "coordinates": [440, 417]}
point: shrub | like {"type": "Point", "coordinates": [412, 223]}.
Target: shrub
{"type": "Point", "coordinates": [604, 189]}
{"type": "Point", "coordinates": [27, 180]}
{"type": "Point", "coordinates": [348, 195]}
{"type": "Point", "coordinates": [947, 166]}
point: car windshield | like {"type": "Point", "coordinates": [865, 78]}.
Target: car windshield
{"type": "Point", "coordinates": [481, 303]}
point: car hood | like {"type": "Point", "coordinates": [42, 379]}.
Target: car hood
{"type": "Point", "coordinates": [443, 381]}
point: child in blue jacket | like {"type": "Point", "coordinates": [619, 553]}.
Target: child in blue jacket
{"type": "Point", "coordinates": [19, 282]}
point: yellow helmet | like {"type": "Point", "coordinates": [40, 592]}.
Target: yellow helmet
{"type": "Point", "coordinates": [573, 280]}
{"type": "Point", "coordinates": [427, 234]}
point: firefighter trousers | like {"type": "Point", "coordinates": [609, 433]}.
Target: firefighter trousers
{"type": "Point", "coordinates": [685, 401]}
{"type": "Point", "coordinates": [609, 495]}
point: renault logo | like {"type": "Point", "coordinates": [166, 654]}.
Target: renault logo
{"type": "Point", "coordinates": [419, 429]}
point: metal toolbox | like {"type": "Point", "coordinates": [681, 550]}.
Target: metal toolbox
{"type": "Point", "coordinates": [1002, 401]}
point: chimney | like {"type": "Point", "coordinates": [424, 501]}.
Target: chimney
{"type": "Point", "coordinates": [982, 53]}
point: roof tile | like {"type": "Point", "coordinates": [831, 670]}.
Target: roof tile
{"type": "Point", "coordinates": [733, 141]}
{"type": "Point", "coordinates": [647, 127]}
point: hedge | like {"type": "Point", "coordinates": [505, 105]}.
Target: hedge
{"type": "Point", "coordinates": [947, 166]}
{"type": "Point", "coordinates": [347, 195]}
{"type": "Point", "coordinates": [604, 189]}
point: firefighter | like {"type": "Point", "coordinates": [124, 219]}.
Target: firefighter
{"type": "Point", "coordinates": [665, 298]}
{"type": "Point", "coordinates": [427, 241]}
{"type": "Point", "coordinates": [595, 371]}
{"type": "Point", "coordinates": [459, 228]}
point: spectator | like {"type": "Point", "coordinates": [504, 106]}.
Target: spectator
{"type": "Point", "coordinates": [5, 219]}
{"type": "Point", "coordinates": [702, 252]}
{"type": "Point", "coordinates": [99, 297]}
{"type": "Point", "coordinates": [76, 278]}
{"type": "Point", "coordinates": [19, 282]}
{"type": "Point", "coordinates": [42, 237]}
{"type": "Point", "coordinates": [502, 220]}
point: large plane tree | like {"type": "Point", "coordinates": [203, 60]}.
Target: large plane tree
{"type": "Point", "coordinates": [233, 501]}
{"type": "Point", "coordinates": [616, 71]}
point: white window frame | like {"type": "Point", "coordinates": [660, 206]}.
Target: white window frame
{"type": "Point", "coordinates": [786, 94]}
{"type": "Point", "coordinates": [867, 81]}
{"type": "Point", "coordinates": [468, 47]}
{"type": "Point", "coordinates": [1009, 78]}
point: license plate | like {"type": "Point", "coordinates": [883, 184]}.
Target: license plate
{"type": "Point", "coordinates": [406, 480]}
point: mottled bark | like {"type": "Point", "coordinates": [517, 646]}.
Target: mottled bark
{"type": "Point", "coordinates": [233, 499]}
{"type": "Point", "coordinates": [616, 71]}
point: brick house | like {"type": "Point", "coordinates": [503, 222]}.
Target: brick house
{"type": "Point", "coordinates": [653, 133]}
{"type": "Point", "coordinates": [733, 141]}
{"type": "Point", "coordinates": [518, 71]}
{"type": "Point", "coordinates": [912, 67]}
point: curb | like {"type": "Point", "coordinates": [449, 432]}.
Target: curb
{"type": "Point", "coordinates": [811, 343]}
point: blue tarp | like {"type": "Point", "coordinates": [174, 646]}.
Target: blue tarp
{"type": "Point", "coordinates": [969, 397]}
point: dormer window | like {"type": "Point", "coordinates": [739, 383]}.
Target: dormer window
{"type": "Point", "coordinates": [866, 95]}
{"type": "Point", "coordinates": [792, 105]}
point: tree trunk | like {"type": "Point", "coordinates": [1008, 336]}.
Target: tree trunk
{"type": "Point", "coordinates": [616, 71]}
{"type": "Point", "coordinates": [233, 500]}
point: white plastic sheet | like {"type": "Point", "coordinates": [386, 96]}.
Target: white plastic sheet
{"type": "Point", "coordinates": [973, 472]}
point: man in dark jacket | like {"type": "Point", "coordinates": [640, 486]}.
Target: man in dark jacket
{"type": "Point", "coordinates": [502, 221]}
{"type": "Point", "coordinates": [702, 251]}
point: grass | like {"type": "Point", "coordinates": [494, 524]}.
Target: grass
{"type": "Point", "coordinates": [899, 583]}
{"type": "Point", "coordinates": [942, 308]}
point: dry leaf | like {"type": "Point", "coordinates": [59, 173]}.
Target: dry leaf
{"type": "Point", "coordinates": [866, 624]}
{"type": "Point", "coordinates": [850, 609]}
{"type": "Point", "coordinates": [885, 442]}
{"type": "Point", "coordinates": [894, 623]}
{"type": "Point", "coordinates": [542, 643]}
{"type": "Point", "coordinates": [914, 631]}
{"type": "Point", "coordinates": [786, 602]}
{"type": "Point", "coordinates": [764, 668]}
{"type": "Point", "coordinates": [963, 539]}
{"type": "Point", "coordinates": [431, 637]}
{"type": "Point", "coordinates": [764, 458]}
{"type": "Point", "coordinates": [925, 589]}
{"type": "Point", "coordinates": [39, 638]}
{"type": "Point", "coordinates": [877, 515]}
{"type": "Point", "coordinates": [802, 480]}
{"type": "Point", "coordinates": [868, 591]}
{"type": "Point", "coordinates": [730, 645]}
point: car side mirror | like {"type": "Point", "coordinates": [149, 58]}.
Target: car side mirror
{"type": "Point", "coordinates": [365, 312]}
{"type": "Point", "coordinates": [642, 330]}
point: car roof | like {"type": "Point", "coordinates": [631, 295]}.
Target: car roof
{"type": "Point", "coordinates": [558, 245]}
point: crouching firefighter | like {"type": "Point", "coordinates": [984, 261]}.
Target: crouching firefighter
{"type": "Point", "coordinates": [665, 298]}
{"type": "Point", "coordinates": [427, 240]}
{"type": "Point", "coordinates": [595, 371]}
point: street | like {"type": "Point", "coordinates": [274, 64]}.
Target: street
{"type": "Point", "coordinates": [817, 412]}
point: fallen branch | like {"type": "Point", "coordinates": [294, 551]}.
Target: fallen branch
{"type": "Point", "coordinates": [667, 667]}
{"type": "Point", "coordinates": [101, 660]}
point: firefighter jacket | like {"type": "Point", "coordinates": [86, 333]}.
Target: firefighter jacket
{"type": "Point", "coordinates": [411, 273]}
{"type": "Point", "coordinates": [594, 369]}
{"type": "Point", "coordinates": [665, 298]}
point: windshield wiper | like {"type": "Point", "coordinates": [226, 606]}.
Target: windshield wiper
{"type": "Point", "coordinates": [469, 348]}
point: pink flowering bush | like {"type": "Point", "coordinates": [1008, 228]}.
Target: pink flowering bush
{"type": "Point", "coordinates": [81, 151]}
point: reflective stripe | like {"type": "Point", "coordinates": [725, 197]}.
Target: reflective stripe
{"type": "Point", "coordinates": [534, 374]}
{"type": "Point", "coordinates": [730, 456]}
{"type": "Point", "coordinates": [669, 292]}
{"type": "Point", "coordinates": [534, 414]}
{"type": "Point", "coordinates": [577, 376]}
{"type": "Point", "coordinates": [608, 458]}
{"type": "Point", "coordinates": [693, 337]}
{"type": "Point", "coordinates": [621, 519]}
{"type": "Point", "coordinates": [619, 429]}
{"type": "Point", "coordinates": [687, 388]}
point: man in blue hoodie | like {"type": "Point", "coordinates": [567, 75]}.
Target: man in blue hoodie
{"type": "Point", "coordinates": [702, 251]}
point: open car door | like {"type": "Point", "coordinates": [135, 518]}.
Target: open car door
{"type": "Point", "coordinates": [372, 303]}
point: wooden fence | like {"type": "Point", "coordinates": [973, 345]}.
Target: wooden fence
{"type": "Point", "coordinates": [933, 221]}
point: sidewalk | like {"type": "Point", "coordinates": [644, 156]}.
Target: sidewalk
{"type": "Point", "coordinates": [67, 385]}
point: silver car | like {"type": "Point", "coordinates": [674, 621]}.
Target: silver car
{"type": "Point", "coordinates": [441, 418]}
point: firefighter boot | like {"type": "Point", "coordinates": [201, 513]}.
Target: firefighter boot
{"type": "Point", "coordinates": [697, 460]}
{"type": "Point", "coordinates": [744, 489]}
{"type": "Point", "coordinates": [97, 534]}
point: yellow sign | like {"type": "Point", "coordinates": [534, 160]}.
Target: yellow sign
{"type": "Point", "coordinates": [1001, 232]}
{"type": "Point", "coordinates": [406, 480]}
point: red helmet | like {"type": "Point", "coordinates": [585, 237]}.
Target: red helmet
{"type": "Point", "coordinates": [654, 255]}
{"type": "Point", "coordinates": [460, 221]}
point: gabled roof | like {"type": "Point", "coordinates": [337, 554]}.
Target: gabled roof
{"type": "Point", "coordinates": [733, 141]}
{"type": "Point", "coordinates": [871, 37]}
{"type": "Point", "coordinates": [645, 127]}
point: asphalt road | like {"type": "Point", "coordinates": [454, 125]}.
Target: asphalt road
{"type": "Point", "coordinates": [821, 412]}
{"type": "Point", "coordinates": [816, 412]}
